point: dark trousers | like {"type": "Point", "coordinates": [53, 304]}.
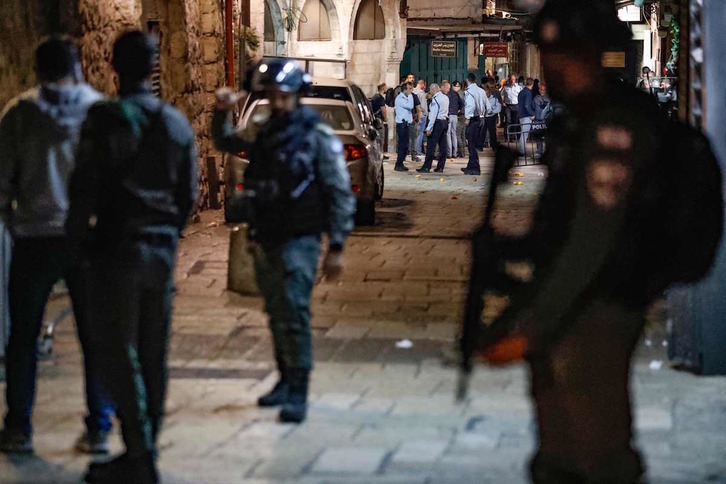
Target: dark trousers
{"type": "Point", "coordinates": [438, 136]}
{"type": "Point", "coordinates": [132, 305]}
{"type": "Point", "coordinates": [490, 126]}
{"type": "Point", "coordinates": [582, 400]}
{"type": "Point", "coordinates": [385, 138]}
{"type": "Point", "coordinates": [472, 139]}
{"type": "Point", "coordinates": [402, 149]}
{"type": "Point", "coordinates": [511, 117]}
{"type": "Point", "coordinates": [37, 264]}
{"type": "Point", "coordinates": [285, 274]}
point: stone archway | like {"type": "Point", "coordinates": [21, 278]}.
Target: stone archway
{"type": "Point", "coordinates": [273, 20]}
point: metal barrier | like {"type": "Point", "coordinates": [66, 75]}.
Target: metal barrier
{"type": "Point", "coordinates": [534, 146]}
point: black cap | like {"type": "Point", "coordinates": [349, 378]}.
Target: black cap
{"type": "Point", "coordinates": [279, 74]}
{"type": "Point", "coordinates": [573, 24]}
{"type": "Point", "coordinates": [56, 58]}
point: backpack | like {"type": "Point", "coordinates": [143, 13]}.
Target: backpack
{"type": "Point", "coordinates": [390, 97]}
{"type": "Point", "coordinates": [690, 211]}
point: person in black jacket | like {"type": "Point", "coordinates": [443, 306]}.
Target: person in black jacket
{"type": "Point", "coordinates": [456, 106]}
{"type": "Point", "coordinates": [134, 187]}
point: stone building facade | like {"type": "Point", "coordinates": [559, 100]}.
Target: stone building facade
{"type": "Point", "coordinates": [367, 36]}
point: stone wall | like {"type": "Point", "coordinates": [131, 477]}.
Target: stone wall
{"type": "Point", "coordinates": [102, 22]}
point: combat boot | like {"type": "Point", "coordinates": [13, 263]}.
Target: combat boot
{"type": "Point", "coordinates": [279, 393]}
{"type": "Point", "coordinates": [296, 408]}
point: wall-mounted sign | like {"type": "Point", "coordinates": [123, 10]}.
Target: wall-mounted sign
{"type": "Point", "coordinates": [613, 60]}
{"type": "Point", "coordinates": [495, 49]}
{"type": "Point", "coordinates": [443, 48]}
{"type": "Point", "coordinates": [631, 13]}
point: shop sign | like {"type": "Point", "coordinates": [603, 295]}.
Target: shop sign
{"type": "Point", "coordinates": [443, 48]}
{"type": "Point", "coordinates": [496, 49]}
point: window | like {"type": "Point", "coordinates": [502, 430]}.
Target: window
{"type": "Point", "coordinates": [269, 26]}
{"type": "Point", "coordinates": [314, 22]}
{"type": "Point", "coordinates": [369, 24]}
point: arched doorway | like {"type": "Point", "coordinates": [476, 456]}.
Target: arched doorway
{"type": "Point", "coordinates": [274, 31]}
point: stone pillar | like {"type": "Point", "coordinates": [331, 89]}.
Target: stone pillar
{"type": "Point", "coordinates": [102, 21]}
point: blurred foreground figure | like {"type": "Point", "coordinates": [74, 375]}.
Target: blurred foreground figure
{"type": "Point", "coordinates": [131, 194]}
{"type": "Point", "coordinates": [296, 187]}
{"type": "Point", "coordinates": [632, 204]}
{"type": "Point", "coordinates": [38, 138]}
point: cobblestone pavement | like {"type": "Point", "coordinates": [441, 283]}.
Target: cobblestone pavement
{"type": "Point", "coordinates": [381, 412]}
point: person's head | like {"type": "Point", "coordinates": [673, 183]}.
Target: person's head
{"type": "Point", "coordinates": [382, 88]}
{"type": "Point", "coordinates": [281, 82]}
{"type": "Point", "coordinates": [411, 78]}
{"type": "Point", "coordinates": [542, 88]}
{"type": "Point", "coordinates": [456, 85]}
{"type": "Point", "coordinates": [646, 71]}
{"type": "Point", "coordinates": [512, 79]}
{"type": "Point", "coordinates": [421, 84]}
{"type": "Point", "coordinates": [134, 57]}
{"type": "Point", "coordinates": [488, 88]}
{"type": "Point", "coordinates": [471, 79]}
{"type": "Point", "coordinates": [572, 37]}
{"type": "Point", "coordinates": [57, 61]}
{"type": "Point", "coordinates": [434, 88]}
{"type": "Point", "coordinates": [520, 80]}
{"type": "Point", "coordinates": [445, 86]}
{"type": "Point", "coordinates": [407, 88]}
{"type": "Point", "coordinates": [529, 83]}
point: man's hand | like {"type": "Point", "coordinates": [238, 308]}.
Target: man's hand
{"type": "Point", "coordinates": [333, 265]}
{"type": "Point", "coordinates": [508, 350]}
{"type": "Point", "coordinates": [428, 132]}
{"type": "Point", "coordinates": [227, 98]}
{"type": "Point", "coordinates": [466, 123]}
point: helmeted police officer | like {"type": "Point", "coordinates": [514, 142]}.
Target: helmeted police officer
{"type": "Point", "coordinates": [579, 320]}
{"type": "Point", "coordinates": [131, 195]}
{"type": "Point", "coordinates": [298, 186]}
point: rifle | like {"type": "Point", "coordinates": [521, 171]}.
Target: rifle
{"type": "Point", "coordinates": [487, 272]}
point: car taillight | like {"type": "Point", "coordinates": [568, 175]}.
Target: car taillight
{"type": "Point", "coordinates": [355, 188]}
{"type": "Point", "coordinates": [355, 152]}
{"type": "Point", "coordinates": [242, 154]}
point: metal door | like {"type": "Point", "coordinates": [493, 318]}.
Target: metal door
{"type": "Point", "coordinates": [417, 59]}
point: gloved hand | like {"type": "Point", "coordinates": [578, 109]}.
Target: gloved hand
{"type": "Point", "coordinates": [227, 98]}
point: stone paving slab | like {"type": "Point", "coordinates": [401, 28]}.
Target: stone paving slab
{"type": "Point", "coordinates": [379, 413]}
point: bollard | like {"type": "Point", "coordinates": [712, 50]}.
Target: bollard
{"type": "Point", "coordinates": [241, 268]}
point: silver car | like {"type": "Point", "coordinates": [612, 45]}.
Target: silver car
{"type": "Point", "coordinates": [362, 152]}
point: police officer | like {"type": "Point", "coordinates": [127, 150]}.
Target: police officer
{"type": "Point", "coordinates": [38, 138]}
{"type": "Point", "coordinates": [579, 320]}
{"type": "Point", "coordinates": [474, 109]}
{"type": "Point", "coordinates": [130, 197]}
{"type": "Point", "coordinates": [298, 186]}
{"type": "Point", "coordinates": [438, 127]}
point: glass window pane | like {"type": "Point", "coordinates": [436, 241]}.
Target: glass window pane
{"type": "Point", "coordinates": [308, 26]}
{"type": "Point", "coordinates": [324, 23]}
{"type": "Point", "coordinates": [380, 24]}
{"type": "Point", "coordinates": [269, 27]}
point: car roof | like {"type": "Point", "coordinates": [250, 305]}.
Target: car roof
{"type": "Point", "coordinates": [330, 81]}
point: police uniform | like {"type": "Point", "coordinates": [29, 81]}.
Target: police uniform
{"type": "Point", "coordinates": [584, 311]}
{"type": "Point", "coordinates": [130, 196]}
{"type": "Point", "coordinates": [300, 156]}
{"type": "Point", "coordinates": [438, 125]}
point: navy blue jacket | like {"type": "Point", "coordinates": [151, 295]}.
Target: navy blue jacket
{"type": "Point", "coordinates": [456, 104]}
{"type": "Point", "coordinates": [526, 103]}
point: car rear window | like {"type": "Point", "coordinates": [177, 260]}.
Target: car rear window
{"type": "Point", "coordinates": [329, 92]}
{"type": "Point", "coordinates": [338, 117]}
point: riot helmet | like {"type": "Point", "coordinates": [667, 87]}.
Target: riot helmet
{"type": "Point", "coordinates": [278, 74]}
{"type": "Point", "coordinates": [572, 25]}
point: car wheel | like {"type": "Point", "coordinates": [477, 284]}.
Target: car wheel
{"type": "Point", "coordinates": [366, 213]}
{"type": "Point", "coordinates": [379, 188]}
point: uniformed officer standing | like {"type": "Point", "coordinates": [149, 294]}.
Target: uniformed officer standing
{"type": "Point", "coordinates": [403, 110]}
{"type": "Point", "coordinates": [437, 129]}
{"type": "Point", "coordinates": [130, 197]}
{"type": "Point", "coordinates": [474, 109]}
{"type": "Point", "coordinates": [298, 187]}
{"type": "Point", "coordinates": [579, 321]}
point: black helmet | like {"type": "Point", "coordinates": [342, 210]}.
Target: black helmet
{"type": "Point", "coordinates": [567, 23]}
{"type": "Point", "coordinates": [278, 74]}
